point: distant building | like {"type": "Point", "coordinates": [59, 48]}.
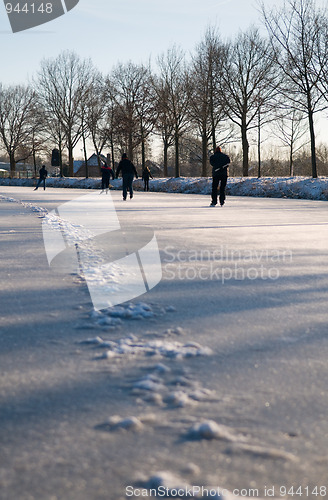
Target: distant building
{"type": "Point", "coordinates": [4, 173]}
{"type": "Point", "coordinates": [77, 164]}
{"type": "Point", "coordinates": [5, 166]}
{"type": "Point", "coordinates": [93, 167]}
{"type": "Point", "coordinates": [21, 168]}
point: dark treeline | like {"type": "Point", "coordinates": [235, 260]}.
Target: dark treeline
{"type": "Point", "coordinates": [239, 93]}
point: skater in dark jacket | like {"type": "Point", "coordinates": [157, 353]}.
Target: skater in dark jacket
{"type": "Point", "coordinates": [220, 163]}
{"type": "Point", "coordinates": [128, 172]}
{"type": "Point", "coordinates": [106, 173]}
{"type": "Point", "coordinates": [146, 174]}
{"type": "Point", "coordinates": [43, 175]}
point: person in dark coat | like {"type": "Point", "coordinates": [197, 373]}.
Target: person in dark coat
{"type": "Point", "coordinates": [106, 173]}
{"type": "Point", "coordinates": [220, 163]}
{"type": "Point", "coordinates": [128, 173]}
{"type": "Point", "coordinates": [43, 175]}
{"type": "Point", "coordinates": [146, 174]}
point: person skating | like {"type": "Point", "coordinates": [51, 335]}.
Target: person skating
{"type": "Point", "coordinates": [106, 173]}
{"type": "Point", "coordinates": [43, 175]}
{"type": "Point", "coordinates": [146, 174]}
{"type": "Point", "coordinates": [128, 173]}
{"type": "Point", "coordinates": [220, 163]}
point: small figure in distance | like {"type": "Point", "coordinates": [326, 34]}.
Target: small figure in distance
{"type": "Point", "coordinates": [43, 175]}
{"type": "Point", "coordinates": [106, 173]}
{"type": "Point", "coordinates": [128, 172]}
{"type": "Point", "coordinates": [220, 163]}
{"type": "Point", "coordinates": [146, 174]}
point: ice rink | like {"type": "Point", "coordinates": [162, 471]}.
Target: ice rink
{"type": "Point", "coordinates": [216, 377]}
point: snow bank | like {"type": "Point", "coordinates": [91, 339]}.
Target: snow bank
{"type": "Point", "coordinates": [272, 187]}
{"type": "Point", "coordinates": [57, 182]}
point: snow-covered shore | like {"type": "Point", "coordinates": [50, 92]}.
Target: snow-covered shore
{"type": "Point", "coordinates": [270, 187]}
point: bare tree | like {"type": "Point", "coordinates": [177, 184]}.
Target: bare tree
{"type": "Point", "coordinates": [290, 129]}
{"type": "Point", "coordinates": [266, 113]}
{"type": "Point", "coordinates": [113, 121]}
{"type": "Point", "coordinates": [128, 81]}
{"type": "Point", "coordinates": [63, 85]}
{"type": "Point", "coordinates": [177, 92]}
{"type": "Point", "coordinates": [164, 122]}
{"type": "Point", "coordinates": [57, 136]}
{"type": "Point", "coordinates": [85, 134]}
{"type": "Point", "coordinates": [94, 113]}
{"type": "Point", "coordinates": [206, 108]}
{"type": "Point", "coordinates": [146, 112]}
{"type": "Point", "coordinates": [298, 33]}
{"type": "Point", "coordinates": [39, 136]}
{"type": "Point", "coordinates": [247, 82]}
{"type": "Point", "coordinates": [16, 120]}
{"type": "Point", "coordinates": [49, 132]}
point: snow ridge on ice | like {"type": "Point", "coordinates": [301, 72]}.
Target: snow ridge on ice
{"type": "Point", "coordinates": [76, 234]}
{"type": "Point", "coordinates": [129, 311]}
{"type": "Point", "coordinates": [133, 346]}
{"type": "Point", "coordinates": [171, 483]}
{"type": "Point", "coordinates": [209, 429]}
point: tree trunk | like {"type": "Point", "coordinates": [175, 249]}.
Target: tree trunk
{"type": "Point", "coordinates": [177, 160]}
{"type": "Point", "coordinates": [291, 163]}
{"type": "Point", "coordinates": [85, 158]}
{"type": "Point", "coordinates": [60, 155]}
{"type": "Point", "coordinates": [213, 123]}
{"type": "Point", "coordinates": [166, 147]}
{"type": "Point", "coordinates": [204, 155]}
{"type": "Point", "coordinates": [245, 147]}
{"type": "Point", "coordinates": [34, 161]}
{"type": "Point", "coordinates": [70, 160]}
{"type": "Point", "coordinates": [213, 140]}
{"type": "Point", "coordinates": [113, 157]}
{"type": "Point", "coordinates": [259, 146]}
{"type": "Point", "coordinates": [143, 154]}
{"type": "Point", "coordinates": [12, 165]}
{"type": "Point", "coordinates": [130, 147]}
{"type": "Point", "coordinates": [98, 158]}
{"type": "Point", "coordinates": [313, 153]}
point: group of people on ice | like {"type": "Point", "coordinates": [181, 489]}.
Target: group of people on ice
{"type": "Point", "coordinates": [128, 171]}
{"type": "Point", "coordinates": [219, 161]}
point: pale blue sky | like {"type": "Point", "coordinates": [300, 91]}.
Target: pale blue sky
{"type": "Point", "coordinates": [121, 30]}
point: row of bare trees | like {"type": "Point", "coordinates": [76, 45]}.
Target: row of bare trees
{"type": "Point", "coordinates": [225, 92]}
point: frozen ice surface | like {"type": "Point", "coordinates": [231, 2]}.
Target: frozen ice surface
{"type": "Point", "coordinates": [248, 353]}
